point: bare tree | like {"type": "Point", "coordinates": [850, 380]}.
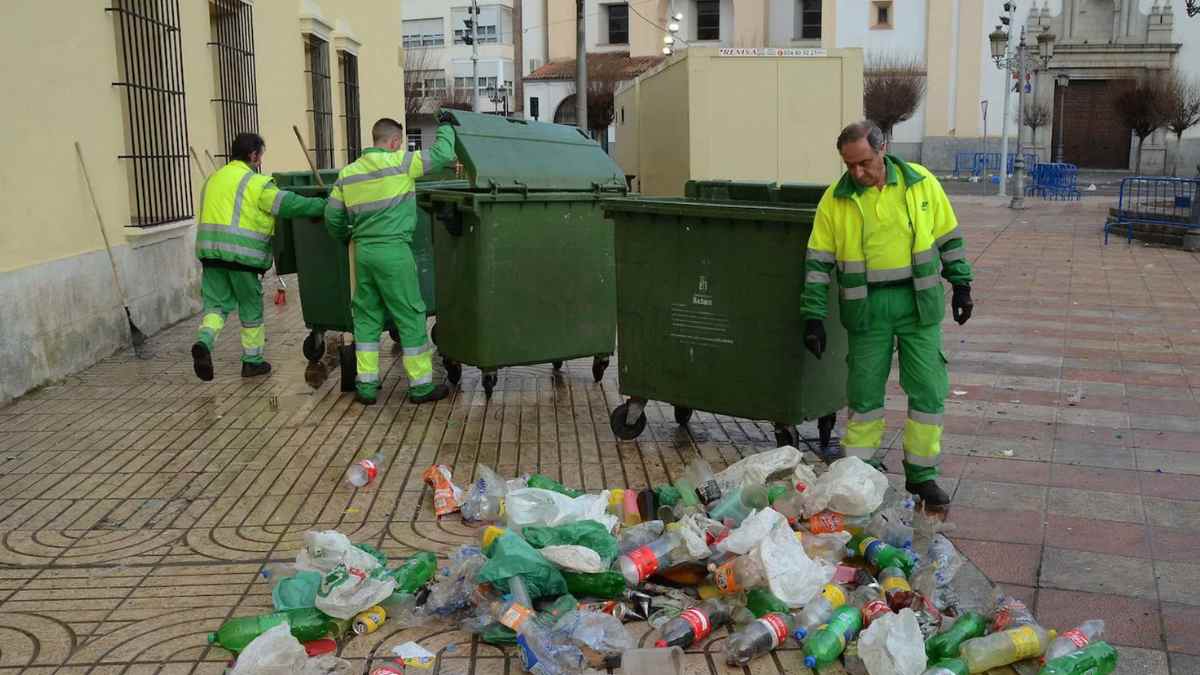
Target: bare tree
{"type": "Point", "coordinates": [893, 86]}
{"type": "Point", "coordinates": [1037, 115]}
{"type": "Point", "coordinates": [1182, 110]}
{"type": "Point", "coordinates": [417, 65]}
{"type": "Point", "coordinates": [1142, 108]}
{"type": "Point", "coordinates": [603, 80]}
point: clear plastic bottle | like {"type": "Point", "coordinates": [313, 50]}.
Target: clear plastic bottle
{"type": "Point", "coordinates": [362, 472]}
{"type": "Point", "coordinates": [740, 503]}
{"type": "Point", "coordinates": [1075, 639]}
{"type": "Point", "coordinates": [1010, 612]}
{"type": "Point", "coordinates": [893, 526]}
{"type": "Point", "coordinates": [869, 600]}
{"type": "Point", "coordinates": [640, 535]}
{"type": "Point", "coordinates": [760, 637]}
{"type": "Point", "coordinates": [981, 654]}
{"type": "Point", "coordinates": [790, 505]}
{"type": "Point", "coordinates": [826, 522]}
{"type": "Point", "coordinates": [695, 623]}
{"type": "Point", "coordinates": [828, 547]}
{"type": "Point", "coordinates": [895, 587]}
{"type": "Point", "coordinates": [701, 477]}
{"type": "Point", "coordinates": [485, 499]}
{"type": "Point", "coordinates": [818, 611]}
{"type": "Point", "coordinates": [640, 563]}
{"type": "Point", "coordinates": [740, 574]}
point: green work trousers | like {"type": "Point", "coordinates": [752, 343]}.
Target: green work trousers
{"type": "Point", "coordinates": [225, 291]}
{"type": "Point", "coordinates": [893, 325]}
{"type": "Point", "coordinates": [387, 285]}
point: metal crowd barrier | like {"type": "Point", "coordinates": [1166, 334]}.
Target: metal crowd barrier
{"type": "Point", "coordinates": [1155, 200]}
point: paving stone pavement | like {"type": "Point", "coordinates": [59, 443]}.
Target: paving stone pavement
{"type": "Point", "coordinates": [138, 505]}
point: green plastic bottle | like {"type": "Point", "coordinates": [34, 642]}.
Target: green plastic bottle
{"type": "Point", "coordinates": [306, 624]}
{"type": "Point", "coordinates": [609, 584]}
{"type": "Point", "coordinates": [945, 645]}
{"type": "Point", "coordinates": [1097, 658]}
{"type": "Point", "coordinates": [537, 480]}
{"type": "Point", "coordinates": [760, 602]}
{"type": "Point", "coordinates": [777, 490]}
{"type": "Point", "coordinates": [882, 555]}
{"type": "Point", "coordinates": [415, 572]}
{"type": "Point", "coordinates": [827, 644]}
{"type": "Point", "coordinates": [948, 667]}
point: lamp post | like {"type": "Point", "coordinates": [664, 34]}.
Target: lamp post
{"type": "Point", "coordinates": [1062, 81]}
{"type": "Point", "coordinates": [1021, 62]}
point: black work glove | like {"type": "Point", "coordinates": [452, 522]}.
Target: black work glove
{"type": "Point", "coordinates": [814, 336]}
{"type": "Point", "coordinates": [961, 305]}
{"type": "Point", "coordinates": [444, 117]}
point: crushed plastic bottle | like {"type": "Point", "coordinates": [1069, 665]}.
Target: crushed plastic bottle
{"type": "Point", "coordinates": [361, 473]}
{"type": "Point", "coordinates": [1010, 612]}
{"type": "Point", "coordinates": [739, 503]}
{"type": "Point", "coordinates": [759, 637]}
{"type": "Point", "coordinates": [827, 522]}
{"type": "Point", "coordinates": [485, 499]}
{"type": "Point", "coordinates": [818, 612]}
{"type": "Point", "coordinates": [641, 563]}
{"type": "Point", "coordinates": [738, 575]}
{"type": "Point", "coordinates": [870, 601]}
{"type": "Point", "coordinates": [1075, 639]}
{"type": "Point", "coordinates": [828, 547]}
{"type": "Point", "coordinates": [1097, 658]}
{"type": "Point", "coordinates": [695, 623]}
{"type": "Point", "coordinates": [981, 654]}
{"type": "Point", "coordinates": [946, 645]}
{"type": "Point", "coordinates": [640, 535]}
{"type": "Point", "coordinates": [826, 645]}
{"type": "Point", "coordinates": [893, 526]}
{"type": "Point", "coordinates": [702, 479]}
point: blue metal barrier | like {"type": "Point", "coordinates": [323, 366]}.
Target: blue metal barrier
{"type": "Point", "coordinates": [1054, 180]}
{"type": "Point", "coordinates": [1155, 200]}
{"type": "Point", "coordinates": [964, 161]}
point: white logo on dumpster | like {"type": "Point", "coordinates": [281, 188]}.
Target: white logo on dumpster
{"type": "Point", "coordinates": [701, 297]}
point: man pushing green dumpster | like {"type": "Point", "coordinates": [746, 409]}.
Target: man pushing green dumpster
{"type": "Point", "coordinates": [374, 203]}
{"type": "Point", "coordinates": [888, 227]}
{"type": "Point", "coordinates": [238, 207]}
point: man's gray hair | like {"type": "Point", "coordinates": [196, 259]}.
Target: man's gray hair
{"type": "Point", "coordinates": [859, 130]}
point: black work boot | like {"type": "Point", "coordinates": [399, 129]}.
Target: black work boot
{"type": "Point", "coordinates": [202, 362]}
{"type": "Point", "coordinates": [929, 492]}
{"type": "Point", "coordinates": [439, 392]}
{"type": "Point", "coordinates": [255, 369]}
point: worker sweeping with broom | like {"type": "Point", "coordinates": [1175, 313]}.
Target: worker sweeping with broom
{"type": "Point", "coordinates": [374, 204]}
{"type": "Point", "coordinates": [238, 207]}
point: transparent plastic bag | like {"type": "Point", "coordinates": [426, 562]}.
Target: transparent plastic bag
{"type": "Point", "coordinates": [761, 466]}
{"type": "Point", "coordinates": [451, 592]}
{"type": "Point", "coordinates": [850, 487]}
{"type": "Point", "coordinates": [792, 576]}
{"type": "Point", "coordinates": [346, 591]}
{"type": "Point", "coordinates": [599, 632]}
{"type": "Point", "coordinates": [534, 506]}
{"type": "Point", "coordinates": [893, 645]}
{"type": "Point", "coordinates": [277, 652]}
{"type": "Point", "coordinates": [324, 550]}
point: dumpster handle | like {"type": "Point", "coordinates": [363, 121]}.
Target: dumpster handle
{"type": "Point", "coordinates": [513, 120]}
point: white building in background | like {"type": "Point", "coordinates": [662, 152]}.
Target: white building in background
{"type": "Point", "coordinates": [438, 61]}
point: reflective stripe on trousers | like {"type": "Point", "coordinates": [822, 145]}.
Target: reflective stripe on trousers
{"type": "Point", "coordinates": [254, 339]}
{"type": "Point", "coordinates": [366, 358]}
{"type": "Point", "coordinates": [210, 328]}
{"type": "Point", "coordinates": [418, 364]}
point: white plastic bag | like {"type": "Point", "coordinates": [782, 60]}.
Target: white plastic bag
{"type": "Point", "coordinates": [753, 530]}
{"type": "Point", "coordinates": [762, 466]}
{"type": "Point", "coordinates": [574, 558]}
{"type": "Point", "coordinates": [346, 591]}
{"type": "Point", "coordinates": [804, 475]}
{"type": "Point", "coordinates": [277, 652]}
{"type": "Point", "coordinates": [324, 550]}
{"type": "Point", "coordinates": [693, 528]}
{"type": "Point", "coordinates": [893, 645]}
{"type": "Point", "coordinates": [851, 486]}
{"type": "Point", "coordinates": [792, 576]}
{"type": "Point", "coordinates": [534, 506]}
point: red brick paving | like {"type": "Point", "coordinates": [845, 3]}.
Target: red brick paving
{"type": "Point", "coordinates": [1097, 536]}
{"type": "Point", "coordinates": [1127, 621]}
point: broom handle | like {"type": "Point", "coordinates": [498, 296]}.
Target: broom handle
{"type": "Point", "coordinates": [317, 174]}
{"type": "Point", "coordinates": [100, 218]}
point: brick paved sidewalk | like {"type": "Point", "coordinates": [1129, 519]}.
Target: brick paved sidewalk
{"type": "Point", "coordinates": [137, 505]}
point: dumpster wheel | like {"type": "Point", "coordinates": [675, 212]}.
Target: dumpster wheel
{"type": "Point", "coordinates": [453, 370]}
{"type": "Point", "coordinates": [825, 429]}
{"type": "Point", "coordinates": [599, 365]}
{"type": "Point", "coordinates": [313, 346]}
{"type": "Point", "coordinates": [349, 366]}
{"type": "Point", "coordinates": [787, 434]}
{"type": "Point", "coordinates": [489, 382]}
{"type": "Point", "coordinates": [557, 365]}
{"type": "Point", "coordinates": [620, 426]}
{"type": "Point", "coordinates": [682, 415]}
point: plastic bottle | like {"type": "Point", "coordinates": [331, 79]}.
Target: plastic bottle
{"type": "Point", "coordinates": [739, 503]}
{"type": "Point", "coordinates": [945, 645]}
{"type": "Point", "coordinates": [370, 620]}
{"type": "Point", "coordinates": [684, 574]}
{"type": "Point", "coordinates": [790, 504]}
{"type": "Point", "coordinates": [892, 525]}
{"type": "Point", "coordinates": [947, 667]}
{"type": "Point", "coordinates": [882, 555]}
{"type": "Point", "coordinates": [606, 584]}
{"type": "Point", "coordinates": [689, 501]}
{"type": "Point", "coordinates": [827, 644]}
{"type": "Point", "coordinates": [306, 624]}
{"type": "Point", "coordinates": [647, 504]}
{"type": "Point", "coordinates": [616, 502]}
{"type": "Point", "coordinates": [761, 601]}
{"type": "Point", "coordinates": [1000, 649]}
{"type": "Point", "coordinates": [695, 623]}
{"type": "Point", "coordinates": [702, 479]}
{"type": "Point", "coordinates": [739, 574]}
{"type": "Point", "coordinates": [640, 563]}
{"type": "Point", "coordinates": [362, 472]}
{"type": "Point", "coordinates": [830, 521]}
{"type": "Point", "coordinates": [1010, 612]}
{"type": "Point", "coordinates": [895, 587]}
{"type": "Point", "coordinates": [818, 611]}
{"type": "Point", "coordinates": [415, 572]}
{"type": "Point", "coordinates": [869, 600]}
{"type": "Point", "coordinates": [632, 515]}
{"type": "Point", "coordinates": [1097, 658]}
{"type": "Point", "coordinates": [758, 638]}
{"type": "Point", "coordinates": [828, 547]}
{"type": "Point", "coordinates": [537, 480]}
{"type": "Point", "coordinates": [640, 535]}
{"type": "Point", "coordinates": [1075, 639]}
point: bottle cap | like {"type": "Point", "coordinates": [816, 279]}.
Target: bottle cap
{"type": "Point", "coordinates": [212, 638]}
{"type": "Point", "coordinates": [799, 634]}
{"type": "Point", "coordinates": [810, 662]}
{"type": "Point", "coordinates": [660, 643]}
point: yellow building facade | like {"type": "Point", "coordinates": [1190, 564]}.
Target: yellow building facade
{"type": "Point", "coordinates": [140, 85]}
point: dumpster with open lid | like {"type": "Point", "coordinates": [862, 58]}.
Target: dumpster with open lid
{"type": "Point", "coordinates": [708, 311]}
{"type": "Point", "coordinates": [524, 256]}
{"type": "Point", "coordinates": [304, 246]}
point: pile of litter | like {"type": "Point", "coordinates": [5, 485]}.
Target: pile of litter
{"type": "Point", "coordinates": [767, 551]}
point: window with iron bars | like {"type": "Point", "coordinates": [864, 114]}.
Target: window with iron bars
{"type": "Point", "coordinates": [232, 28]}
{"type": "Point", "coordinates": [320, 100]}
{"type": "Point", "coordinates": [151, 57]}
{"type": "Point", "coordinates": [429, 84]}
{"type": "Point", "coordinates": [414, 138]}
{"type": "Point", "coordinates": [349, 66]}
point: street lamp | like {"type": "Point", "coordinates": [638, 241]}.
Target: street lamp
{"type": "Point", "coordinates": [1021, 63]}
{"type": "Point", "coordinates": [1062, 81]}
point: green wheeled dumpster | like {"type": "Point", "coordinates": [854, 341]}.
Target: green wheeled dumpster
{"type": "Point", "coordinates": [524, 255]}
{"type": "Point", "coordinates": [708, 312]}
{"type": "Point", "coordinates": [304, 246]}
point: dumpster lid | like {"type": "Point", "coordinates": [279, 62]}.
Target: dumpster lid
{"type": "Point", "coordinates": [504, 153]}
